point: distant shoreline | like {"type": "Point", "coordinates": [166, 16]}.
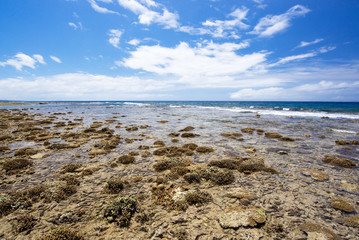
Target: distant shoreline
{"type": "Point", "coordinates": [13, 103]}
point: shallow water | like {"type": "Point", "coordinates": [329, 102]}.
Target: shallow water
{"type": "Point", "coordinates": [290, 196]}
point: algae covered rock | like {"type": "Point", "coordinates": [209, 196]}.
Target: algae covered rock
{"type": "Point", "coordinates": [126, 159]}
{"type": "Point", "coordinates": [62, 233]}
{"type": "Point", "coordinates": [14, 165]}
{"type": "Point", "coordinates": [317, 231]}
{"type": "Point", "coordinates": [242, 218]}
{"type": "Point", "coordinates": [121, 211]}
{"type": "Point", "coordinates": [343, 205]}
{"type": "Point", "coordinates": [342, 162]}
{"type": "Point", "coordinates": [315, 174]}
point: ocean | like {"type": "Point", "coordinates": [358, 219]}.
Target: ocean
{"type": "Point", "coordinates": [349, 110]}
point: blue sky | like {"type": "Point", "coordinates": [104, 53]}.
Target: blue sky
{"type": "Point", "coordinates": [179, 50]}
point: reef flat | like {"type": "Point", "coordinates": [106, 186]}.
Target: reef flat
{"type": "Point", "coordinates": [96, 171]}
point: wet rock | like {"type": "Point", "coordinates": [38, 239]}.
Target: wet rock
{"type": "Point", "coordinates": [13, 165]}
{"type": "Point", "coordinates": [121, 211]}
{"type": "Point", "coordinates": [204, 149]}
{"type": "Point", "coordinates": [189, 135]}
{"type": "Point", "coordinates": [242, 218]}
{"type": "Point", "coordinates": [315, 174]}
{"type": "Point", "coordinates": [341, 204]}
{"type": "Point", "coordinates": [97, 152]}
{"type": "Point", "coordinates": [343, 142]}
{"type": "Point", "coordinates": [317, 231]}
{"type": "Point", "coordinates": [173, 151]}
{"type": "Point", "coordinates": [187, 129]}
{"type": "Point", "coordinates": [352, 221]}
{"type": "Point", "coordinates": [248, 130]}
{"type": "Point", "coordinates": [159, 143]}
{"type": "Point", "coordinates": [63, 233]}
{"type": "Point", "coordinates": [191, 146]}
{"type": "Point", "coordinates": [342, 162]}
{"type": "Point", "coordinates": [126, 159]}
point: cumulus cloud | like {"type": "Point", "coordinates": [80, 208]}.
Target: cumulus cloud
{"type": "Point", "coordinates": [270, 25]}
{"type": "Point", "coordinates": [304, 44]}
{"type": "Point", "coordinates": [208, 63]}
{"type": "Point", "coordinates": [99, 9]}
{"type": "Point", "coordinates": [115, 36]}
{"type": "Point", "coordinates": [148, 16]}
{"type": "Point", "coordinates": [21, 60]}
{"type": "Point", "coordinates": [56, 59]}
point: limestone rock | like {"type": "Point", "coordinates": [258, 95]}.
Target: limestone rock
{"type": "Point", "coordinates": [343, 205]}
{"type": "Point", "coordinates": [242, 218]}
{"type": "Point", "coordinates": [315, 174]}
{"type": "Point", "coordinates": [318, 232]}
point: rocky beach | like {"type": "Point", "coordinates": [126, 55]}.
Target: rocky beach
{"type": "Point", "coordinates": [139, 171]}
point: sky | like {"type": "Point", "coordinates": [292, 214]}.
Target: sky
{"type": "Point", "coordinates": [229, 50]}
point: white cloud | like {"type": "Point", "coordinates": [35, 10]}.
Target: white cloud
{"type": "Point", "coordinates": [270, 25]}
{"type": "Point", "coordinates": [56, 59]}
{"type": "Point", "coordinates": [261, 94]}
{"type": "Point", "coordinates": [324, 90]}
{"type": "Point", "coordinates": [296, 57]}
{"type": "Point", "coordinates": [76, 26]}
{"type": "Point", "coordinates": [309, 83]}
{"type": "Point", "coordinates": [229, 27]}
{"type": "Point", "coordinates": [304, 44]}
{"type": "Point", "coordinates": [208, 64]}
{"type": "Point", "coordinates": [134, 42]}
{"type": "Point", "coordinates": [115, 36]}
{"type": "Point", "coordinates": [73, 25]}
{"type": "Point", "coordinates": [303, 56]}
{"type": "Point", "coordinates": [147, 16]}
{"type": "Point", "coordinates": [21, 60]}
{"type": "Point", "coordinates": [39, 58]}
{"type": "Point", "coordinates": [80, 86]}
{"type": "Point", "coordinates": [99, 9]}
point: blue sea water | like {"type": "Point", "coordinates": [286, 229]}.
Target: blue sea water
{"type": "Point", "coordinates": [335, 110]}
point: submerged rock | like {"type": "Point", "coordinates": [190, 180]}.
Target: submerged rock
{"type": "Point", "coordinates": [341, 204]}
{"type": "Point", "coordinates": [315, 174]}
{"type": "Point", "coordinates": [342, 162]}
{"type": "Point", "coordinates": [242, 218]}
{"type": "Point", "coordinates": [317, 231]}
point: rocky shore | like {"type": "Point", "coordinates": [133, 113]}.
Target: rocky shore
{"type": "Point", "coordinates": [95, 172]}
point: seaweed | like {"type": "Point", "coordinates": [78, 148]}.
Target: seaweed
{"type": "Point", "coordinates": [342, 162]}
{"type": "Point", "coordinates": [217, 176]}
{"type": "Point", "coordinates": [192, 178]}
{"type": "Point", "coordinates": [70, 168]}
{"type": "Point", "coordinates": [24, 222]}
{"type": "Point", "coordinates": [198, 197]}
{"type": "Point", "coordinates": [121, 211]}
{"type": "Point", "coordinates": [126, 159]}
{"type": "Point", "coordinates": [114, 185]}
{"type": "Point", "coordinates": [204, 149]}
{"type": "Point", "coordinates": [173, 151]}
{"type": "Point", "coordinates": [165, 164]}
{"type": "Point", "coordinates": [14, 165]}
{"type": "Point", "coordinates": [62, 233]}
{"type": "Point", "coordinates": [191, 146]}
